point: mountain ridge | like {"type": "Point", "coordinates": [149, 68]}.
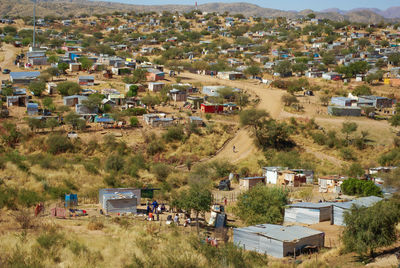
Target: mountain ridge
{"type": "Point", "coordinates": [66, 7]}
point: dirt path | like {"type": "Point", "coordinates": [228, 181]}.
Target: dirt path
{"type": "Point", "coordinates": [270, 100]}
{"type": "Point", "coordinates": [7, 53]}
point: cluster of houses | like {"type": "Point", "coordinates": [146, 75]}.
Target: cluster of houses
{"type": "Point", "coordinates": [358, 105]}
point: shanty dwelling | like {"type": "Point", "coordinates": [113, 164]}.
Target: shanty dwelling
{"type": "Point", "coordinates": [154, 75]}
{"type": "Point", "coordinates": [250, 182]}
{"type": "Point", "coordinates": [36, 57]}
{"type": "Point", "coordinates": [196, 120]}
{"type": "Point", "coordinates": [135, 191]}
{"type": "Point", "coordinates": [149, 117]}
{"type": "Point", "coordinates": [32, 108]}
{"type": "Point", "coordinates": [344, 111]}
{"type": "Point", "coordinates": [211, 91]}
{"type": "Point", "coordinates": [339, 208]}
{"type": "Point", "coordinates": [330, 184]}
{"type": "Point", "coordinates": [23, 77]}
{"type": "Point", "coordinates": [73, 100]}
{"type": "Point", "coordinates": [277, 240]}
{"type": "Point", "coordinates": [120, 202]}
{"type": "Point", "coordinates": [230, 75]}
{"type": "Point", "coordinates": [193, 102]}
{"type": "Point", "coordinates": [308, 213]}
{"type": "Point", "coordinates": [342, 101]}
{"type": "Point", "coordinates": [291, 178]}
{"type": "Point", "coordinates": [309, 174]}
{"type": "Point", "coordinates": [163, 122]}
{"type": "Point", "coordinates": [87, 80]}
{"type": "Point", "coordinates": [51, 87]}
{"type": "Point", "coordinates": [82, 109]}
{"type": "Point", "coordinates": [272, 174]}
{"type": "Point", "coordinates": [178, 95]}
{"type": "Point", "coordinates": [17, 101]}
{"type": "Point", "coordinates": [156, 86]}
{"type": "Point", "coordinates": [211, 108]}
{"type": "Point", "coordinates": [376, 101]}
{"type": "Point", "coordinates": [75, 67]}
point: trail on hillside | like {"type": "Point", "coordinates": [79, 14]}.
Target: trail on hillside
{"type": "Point", "coordinates": [8, 52]}
{"type": "Point", "coordinates": [270, 100]}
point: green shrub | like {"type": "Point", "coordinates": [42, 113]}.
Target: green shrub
{"type": "Point", "coordinates": [360, 188]}
{"type": "Point", "coordinates": [49, 240]}
{"type": "Point", "coordinates": [91, 168]}
{"type": "Point", "coordinates": [28, 198]}
{"type": "Point", "coordinates": [112, 181]}
{"type": "Point", "coordinates": [155, 146]}
{"type": "Point", "coordinates": [58, 144]}
{"type": "Point", "coordinates": [174, 134]}
{"type": "Point", "coordinates": [161, 171]}
{"type": "Point", "coordinates": [347, 154]}
{"type": "Point", "coordinates": [134, 121]}
{"type": "Point", "coordinates": [115, 162]}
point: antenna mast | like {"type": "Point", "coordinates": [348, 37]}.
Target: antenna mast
{"type": "Point", "coordinates": [34, 24]}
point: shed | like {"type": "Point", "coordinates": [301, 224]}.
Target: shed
{"type": "Point", "coordinates": [272, 174]}
{"type": "Point", "coordinates": [196, 120]}
{"type": "Point", "coordinates": [376, 101]}
{"type": "Point", "coordinates": [75, 67]}
{"type": "Point", "coordinates": [249, 182]}
{"type": "Point", "coordinates": [178, 95]}
{"type": "Point", "coordinates": [277, 240]}
{"type": "Point", "coordinates": [344, 111]}
{"type": "Point", "coordinates": [87, 80]}
{"type": "Point", "coordinates": [193, 102]}
{"type": "Point", "coordinates": [211, 108]}
{"type": "Point", "coordinates": [32, 108]}
{"type": "Point", "coordinates": [119, 202]}
{"type": "Point", "coordinates": [339, 209]}
{"type": "Point", "coordinates": [23, 77]}
{"type": "Point", "coordinates": [154, 74]}
{"type": "Point", "coordinates": [308, 213]}
{"type": "Point", "coordinates": [73, 100]}
{"type": "Point", "coordinates": [156, 86]}
{"type": "Point", "coordinates": [135, 191]}
{"type": "Point", "coordinates": [342, 101]}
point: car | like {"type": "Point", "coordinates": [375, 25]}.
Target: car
{"type": "Point", "coordinates": [6, 71]}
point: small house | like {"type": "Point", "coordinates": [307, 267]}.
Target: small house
{"type": "Point", "coordinates": [23, 77]}
{"type": "Point", "coordinates": [198, 121]}
{"type": "Point", "coordinates": [178, 95]}
{"type": "Point", "coordinates": [36, 57]}
{"type": "Point", "coordinates": [158, 120]}
{"type": "Point", "coordinates": [332, 76]}
{"type": "Point", "coordinates": [277, 240]}
{"type": "Point", "coordinates": [250, 182]}
{"type": "Point", "coordinates": [272, 174]}
{"type": "Point", "coordinates": [376, 101]}
{"type": "Point", "coordinates": [86, 80]}
{"type": "Point", "coordinates": [75, 67]}
{"type": "Point", "coordinates": [73, 100]}
{"type": "Point", "coordinates": [211, 108]}
{"type": "Point", "coordinates": [51, 87]}
{"type": "Point", "coordinates": [193, 102]}
{"type": "Point", "coordinates": [120, 202]}
{"type": "Point", "coordinates": [32, 108]}
{"type": "Point", "coordinates": [156, 86]}
{"type": "Point", "coordinates": [342, 101]}
{"type": "Point", "coordinates": [344, 111]}
{"type": "Point", "coordinates": [339, 208]}
{"type": "Point", "coordinates": [154, 75]}
{"type": "Point", "coordinates": [230, 75]}
{"type": "Point", "coordinates": [330, 184]}
{"type": "Point", "coordinates": [20, 100]}
{"type": "Point", "coordinates": [308, 213]}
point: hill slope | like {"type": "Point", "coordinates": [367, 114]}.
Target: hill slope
{"type": "Point", "coordinates": [66, 7]}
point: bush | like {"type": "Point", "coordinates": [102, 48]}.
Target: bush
{"type": "Point", "coordinates": [58, 144]}
{"type": "Point", "coordinates": [28, 198]}
{"type": "Point", "coordinates": [135, 111]}
{"type": "Point", "coordinates": [91, 168]}
{"type": "Point", "coordinates": [68, 88]}
{"type": "Point", "coordinates": [174, 134]}
{"type": "Point", "coordinates": [262, 204]}
{"type": "Point", "coordinates": [134, 121]}
{"type": "Point", "coordinates": [360, 188]}
{"type": "Point", "coordinates": [115, 162]}
{"type": "Point", "coordinates": [161, 171]}
{"type": "Point", "coordinates": [112, 181]}
{"type": "Point", "coordinates": [154, 147]}
{"type": "Point", "coordinates": [49, 239]}
{"type": "Point", "coordinates": [347, 154]}
{"type": "Point", "coordinates": [95, 225]}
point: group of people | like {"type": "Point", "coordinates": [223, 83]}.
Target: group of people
{"type": "Point", "coordinates": [187, 220]}
{"type": "Point", "coordinates": [211, 241]}
{"type": "Point", "coordinates": [154, 208]}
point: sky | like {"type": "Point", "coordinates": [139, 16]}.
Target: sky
{"type": "Point", "coordinates": [282, 4]}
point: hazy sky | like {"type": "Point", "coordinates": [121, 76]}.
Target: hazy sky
{"type": "Point", "coordinates": [283, 4]}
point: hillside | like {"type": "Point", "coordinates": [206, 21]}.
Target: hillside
{"type": "Point", "coordinates": [66, 7]}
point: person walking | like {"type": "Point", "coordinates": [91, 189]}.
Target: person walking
{"type": "Point", "coordinates": [234, 148]}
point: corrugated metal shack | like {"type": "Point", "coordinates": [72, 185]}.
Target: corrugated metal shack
{"type": "Point", "coordinates": [308, 213]}
{"type": "Point", "coordinates": [277, 240]}
{"type": "Point", "coordinates": [121, 200]}
{"type": "Point", "coordinates": [340, 208]}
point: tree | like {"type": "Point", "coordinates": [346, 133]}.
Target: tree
{"type": "Point", "coordinates": [253, 70]}
{"type": "Point", "coordinates": [370, 228]}
{"type": "Point", "coordinates": [197, 199]}
{"type": "Point", "coordinates": [299, 67]}
{"type": "Point", "coordinates": [86, 63]}
{"type": "Point", "coordinates": [324, 99]}
{"type": "Point", "coordinates": [53, 59]}
{"type": "Point", "coordinates": [56, 144]}
{"type": "Point", "coordinates": [261, 205]}
{"type": "Point", "coordinates": [360, 187]}
{"type": "Point", "coordinates": [93, 101]}
{"type": "Point", "coordinates": [63, 66]}
{"type": "Point", "coordinates": [134, 121]}
{"type": "Point", "coordinates": [53, 71]}
{"type": "Point", "coordinates": [394, 58]}
{"type": "Point", "coordinates": [52, 123]}
{"type": "Point", "coordinates": [47, 102]}
{"type": "Point", "coordinates": [35, 123]}
{"type": "Point", "coordinates": [328, 58]}
{"type": "Point", "coordinates": [362, 91]}
{"type": "Point", "coordinates": [75, 120]}
{"type": "Point", "coordinates": [283, 68]}
{"type": "Point", "coordinates": [253, 118]}
{"type": "Point", "coordinates": [133, 91]}
{"type": "Point", "coordinates": [150, 100]}
{"type": "Point", "coordinates": [348, 128]}
{"type": "Point", "coordinates": [395, 120]}
{"type": "Point", "coordinates": [68, 88]}
{"type": "Point", "coordinates": [37, 88]}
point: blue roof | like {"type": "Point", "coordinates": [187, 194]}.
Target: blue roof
{"type": "Point", "coordinates": [24, 75]}
{"type": "Point", "coordinates": [252, 178]}
{"type": "Point", "coordinates": [104, 120]}
{"type": "Point", "coordinates": [32, 105]}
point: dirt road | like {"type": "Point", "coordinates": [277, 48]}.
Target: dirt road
{"type": "Point", "coordinates": [7, 54]}
{"type": "Point", "coordinates": [270, 100]}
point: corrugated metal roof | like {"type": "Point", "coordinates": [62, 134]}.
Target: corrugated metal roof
{"type": "Point", "coordinates": [281, 233]}
{"type": "Point", "coordinates": [24, 75]}
{"type": "Point", "coordinates": [311, 205]}
{"type": "Point", "coordinates": [362, 202]}
{"type": "Point", "coordinates": [252, 178]}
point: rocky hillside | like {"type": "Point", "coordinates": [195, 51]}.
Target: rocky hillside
{"type": "Point", "coordinates": [66, 7]}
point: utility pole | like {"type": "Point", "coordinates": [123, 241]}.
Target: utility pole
{"type": "Point", "coordinates": [34, 24]}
